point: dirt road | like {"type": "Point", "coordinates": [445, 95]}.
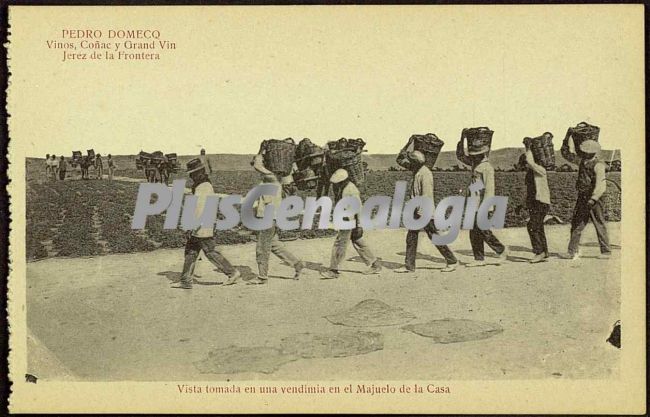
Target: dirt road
{"type": "Point", "coordinates": [116, 318]}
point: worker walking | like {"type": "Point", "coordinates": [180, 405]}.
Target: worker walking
{"type": "Point", "coordinates": [591, 186]}
{"type": "Point", "coordinates": [482, 171]}
{"type": "Point", "coordinates": [267, 239]}
{"type": "Point", "coordinates": [422, 185]}
{"type": "Point", "coordinates": [538, 201]}
{"type": "Point", "coordinates": [343, 187]}
{"type": "Point", "coordinates": [203, 237]}
{"type": "Point", "coordinates": [63, 168]}
{"type": "Point", "coordinates": [111, 167]}
{"type": "Point", "coordinates": [48, 166]}
{"type": "Point", "coordinates": [205, 161]}
{"type": "Point", "coordinates": [54, 168]}
{"type": "Point", "coordinates": [99, 167]}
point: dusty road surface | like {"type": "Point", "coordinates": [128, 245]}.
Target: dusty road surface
{"type": "Point", "coordinates": [116, 317]}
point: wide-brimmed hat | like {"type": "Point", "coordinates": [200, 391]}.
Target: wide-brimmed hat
{"type": "Point", "coordinates": [416, 156]}
{"type": "Point", "coordinates": [338, 176]}
{"type": "Point", "coordinates": [590, 146]}
{"type": "Point", "coordinates": [194, 165]}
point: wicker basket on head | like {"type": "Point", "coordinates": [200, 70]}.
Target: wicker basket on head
{"type": "Point", "coordinates": [583, 132]}
{"type": "Point", "coordinates": [278, 155]}
{"type": "Point", "coordinates": [351, 162]}
{"type": "Point", "coordinates": [91, 153]}
{"type": "Point", "coordinates": [309, 155]}
{"type": "Point", "coordinates": [479, 139]}
{"type": "Point", "coordinates": [430, 145]}
{"type": "Point", "coordinates": [542, 149]}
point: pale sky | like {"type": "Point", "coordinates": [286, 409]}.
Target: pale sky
{"type": "Point", "coordinates": [240, 75]}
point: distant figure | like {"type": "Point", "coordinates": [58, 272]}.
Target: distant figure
{"type": "Point", "coordinates": [205, 161]}
{"type": "Point", "coordinates": [63, 168]}
{"type": "Point", "coordinates": [99, 167]}
{"type": "Point", "coordinates": [111, 167]}
{"type": "Point", "coordinates": [150, 171]}
{"type": "Point", "coordinates": [84, 163]}
{"type": "Point", "coordinates": [48, 164]}
{"type": "Point", "coordinates": [54, 167]}
{"type": "Point", "coordinates": [163, 170]}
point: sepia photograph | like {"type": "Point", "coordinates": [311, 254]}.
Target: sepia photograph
{"type": "Point", "coordinates": [424, 209]}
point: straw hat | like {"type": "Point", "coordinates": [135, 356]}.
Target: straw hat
{"type": "Point", "coordinates": [194, 165]}
{"type": "Point", "coordinates": [338, 176]}
{"type": "Point", "coordinates": [590, 146]}
{"type": "Point", "coordinates": [416, 156]}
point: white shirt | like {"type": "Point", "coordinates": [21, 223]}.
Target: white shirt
{"type": "Point", "coordinates": [202, 192]}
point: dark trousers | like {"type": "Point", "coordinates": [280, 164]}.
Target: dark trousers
{"type": "Point", "coordinates": [478, 237]}
{"type": "Point", "coordinates": [412, 246]}
{"type": "Point", "coordinates": [581, 215]}
{"type": "Point", "coordinates": [193, 246]}
{"type": "Point", "coordinates": [535, 226]}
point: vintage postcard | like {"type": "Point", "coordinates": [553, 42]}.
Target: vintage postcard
{"type": "Point", "coordinates": [378, 209]}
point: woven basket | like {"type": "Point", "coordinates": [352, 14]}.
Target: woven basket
{"type": "Point", "coordinates": [582, 132]}
{"type": "Point", "coordinates": [278, 155]}
{"type": "Point", "coordinates": [351, 162]}
{"type": "Point", "coordinates": [91, 153]}
{"type": "Point", "coordinates": [309, 155]}
{"type": "Point", "coordinates": [76, 154]}
{"type": "Point", "coordinates": [478, 138]}
{"type": "Point", "coordinates": [542, 149]}
{"type": "Point", "coordinates": [430, 145]}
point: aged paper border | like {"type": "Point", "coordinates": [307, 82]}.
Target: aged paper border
{"type": "Point", "coordinates": [624, 395]}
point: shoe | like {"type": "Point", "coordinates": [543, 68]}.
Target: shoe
{"type": "Point", "coordinates": [538, 258]}
{"type": "Point", "coordinates": [449, 267]}
{"type": "Point", "coordinates": [404, 270]}
{"type": "Point", "coordinates": [298, 268]}
{"type": "Point", "coordinates": [475, 264]}
{"type": "Point", "coordinates": [184, 285]}
{"type": "Point", "coordinates": [570, 256]}
{"type": "Point", "coordinates": [257, 281]}
{"type": "Point", "coordinates": [233, 278]}
{"type": "Point", "coordinates": [503, 256]}
{"type": "Point", "coordinates": [604, 256]}
{"type": "Point", "coordinates": [329, 274]}
{"type": "Point", "coordinates": [374, 269]}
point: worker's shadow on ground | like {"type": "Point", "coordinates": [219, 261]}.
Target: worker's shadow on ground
{"type": "Point", "coordinates": [384, 264]}
{"type": "Point", "coordinates": [596, 244]}
{"type": "Point", "coordinates": [314, 266]}
{"type": "Point", "coordinates": [217, 279]}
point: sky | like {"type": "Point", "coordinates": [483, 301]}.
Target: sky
{"type": "Point", "coordinates": [241, 75]}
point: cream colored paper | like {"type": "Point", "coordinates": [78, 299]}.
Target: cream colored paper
{"type": "Point", "coordinates": [238, 75]}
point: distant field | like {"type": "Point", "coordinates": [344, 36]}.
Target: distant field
{"type": "Point", "coordinates": [84, 218]}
